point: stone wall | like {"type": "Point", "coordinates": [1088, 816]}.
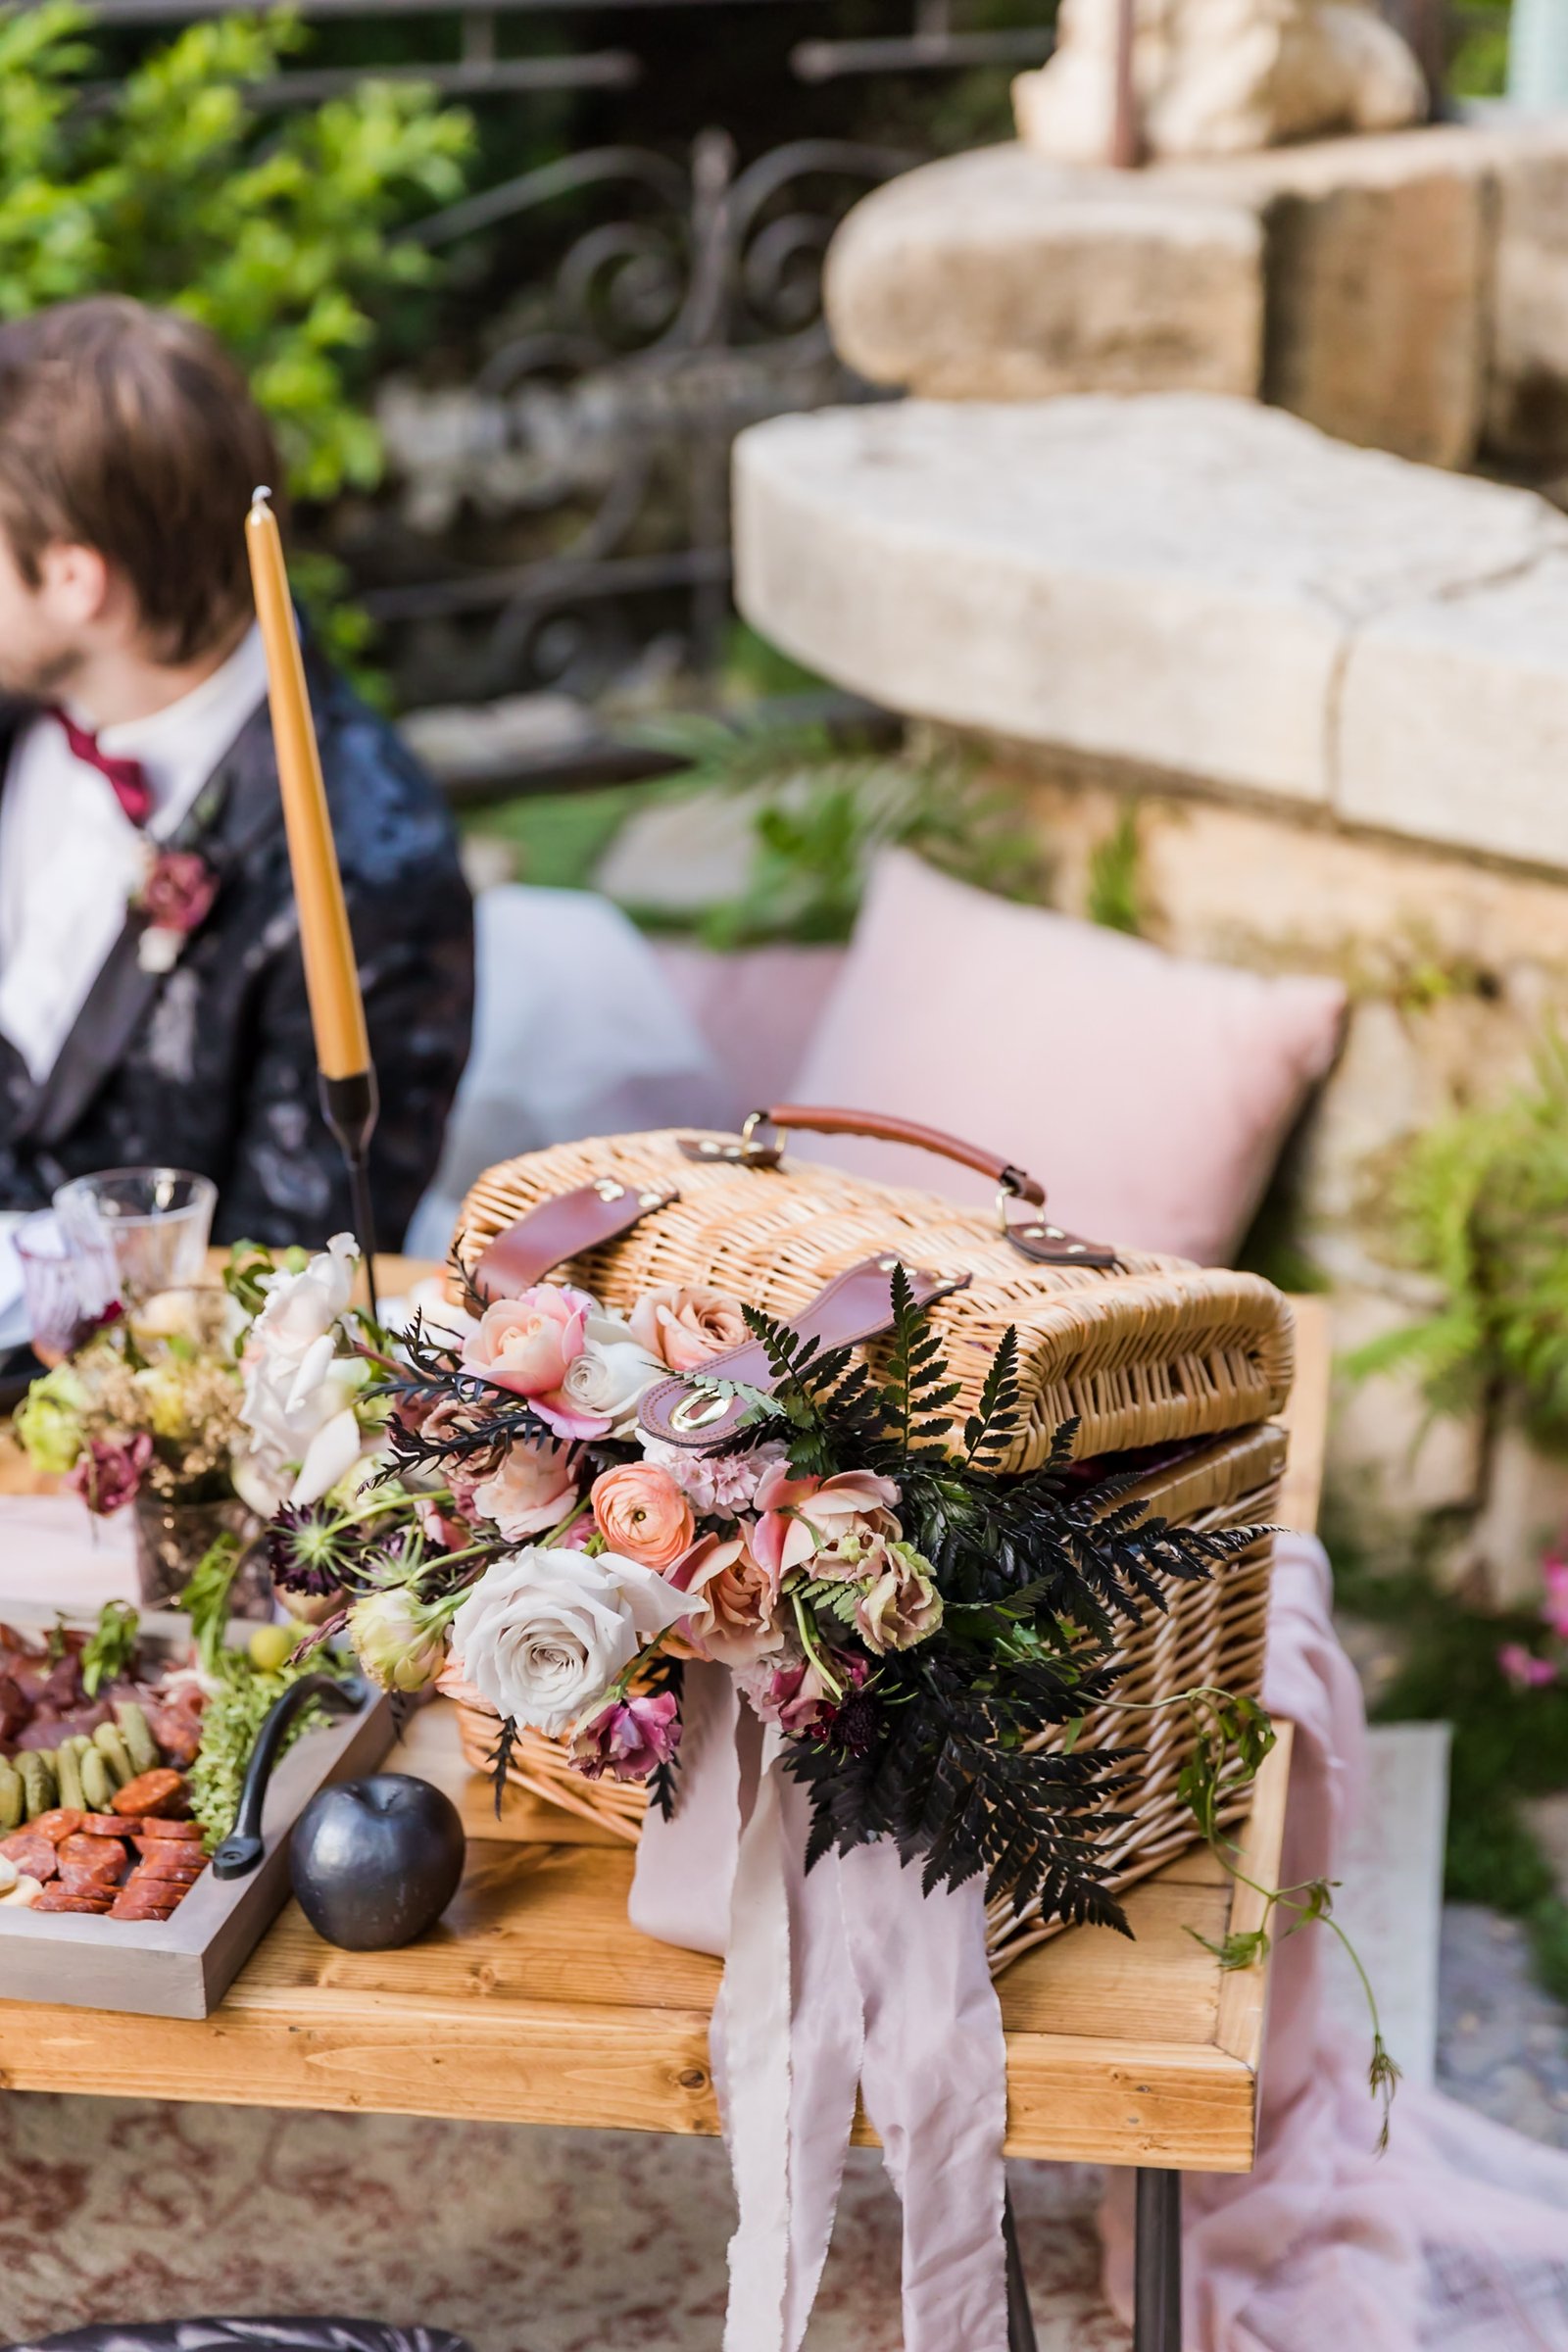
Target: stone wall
{"type": "Point", "coordinates": [1451, 967]}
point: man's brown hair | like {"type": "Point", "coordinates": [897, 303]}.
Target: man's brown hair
{"type": "Point", "coordinates": [131, 431]}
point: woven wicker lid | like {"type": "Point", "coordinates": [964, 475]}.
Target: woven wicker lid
{"type": "Point", "coordinates": [1153, 1351]}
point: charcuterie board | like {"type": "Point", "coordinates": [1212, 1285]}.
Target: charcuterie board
{"type": "Point", "coordinates": [182, 1963]}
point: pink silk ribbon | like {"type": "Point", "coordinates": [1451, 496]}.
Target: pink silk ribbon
{"type": "Point", "coordinates": [845, 1979]}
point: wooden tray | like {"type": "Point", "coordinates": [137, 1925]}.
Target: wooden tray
{"type": "Point", "coordinates": [182, 1966]}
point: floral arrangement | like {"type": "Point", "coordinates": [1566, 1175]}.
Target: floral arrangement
{"type": "Point", "coordinates": [259, 1389]}
{"type": "Point", "coordinates": [915, 1620]}
{"type": "Point", "coordinates": [1526, 1667]}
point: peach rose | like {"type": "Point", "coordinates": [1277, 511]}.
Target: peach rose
{"type": "Point", "coordinates": [529, 1491]}
{"type": "Point", "coordinates": [529, 1343]}
{"type": "Point", "coordinates": [684, 1327]}
{"type": "Point", "coordinates": [733, 1598]}
{"type": "Point", "coordinates": [642, 1513]}
{"type": "Point", "coordinates": [829, 1522]}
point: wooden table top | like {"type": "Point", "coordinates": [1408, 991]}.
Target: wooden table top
{"type": "Point", "coordinates": [534, 2000]}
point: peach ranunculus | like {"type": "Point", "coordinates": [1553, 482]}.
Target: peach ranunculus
{"type": "Point", "coordinates": [530, 1490]}
{"type": "Point", "coordinates": [528, 1344]}
{"type": "Point", "coordinates": [684, 1327]}
{"type": "Point", "coordinates": [733, 1600]}
{"type": "Point", "coordinates": [826, 1522]}
{"type": "Point", "coordinates": [642, 1513]}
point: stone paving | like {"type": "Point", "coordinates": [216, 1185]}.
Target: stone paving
{"type": "Point", "coordinates": [1503, 2042]}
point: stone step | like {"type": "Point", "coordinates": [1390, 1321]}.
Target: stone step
{"type": "Point", "coordinates": [1180, 583]}
{"type": "Point", "coordinates": [1406, 292]}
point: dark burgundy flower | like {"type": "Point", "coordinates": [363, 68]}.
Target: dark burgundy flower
{"type": "Point", "coordinates": [108, 1476]}
{"type": "Point", "coordinates": [178, 892]}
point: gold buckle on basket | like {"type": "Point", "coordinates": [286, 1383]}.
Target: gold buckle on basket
{"type": "Point", "coordinates": [740, 1151]}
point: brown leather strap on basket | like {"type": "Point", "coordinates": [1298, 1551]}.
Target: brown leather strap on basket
{"type": "Point", "coordinates": [855, 1306]}
{"type": "Point", "coordinates": [560, 1228]}
{"type": "Point", "coordinates": [1036, 1238]}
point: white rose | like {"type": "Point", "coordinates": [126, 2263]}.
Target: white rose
{"type": "Point", "coordinates": [299, 1390]}
{"type": "Point", "coordinates": [544, 1634]}
{"type": "Point", "coordinates": [603, 1385]}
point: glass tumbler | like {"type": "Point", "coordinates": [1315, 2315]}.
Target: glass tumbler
{"type": "Point", "coordinates": [66, 1282]}
{"type": "Point", "coordinates": [153, 1221]}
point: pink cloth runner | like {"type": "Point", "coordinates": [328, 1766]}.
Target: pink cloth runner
{"type": "Point", "coordinates": [847, 1977]}
{"type": "Point", "coordinates": [1457, 2240]}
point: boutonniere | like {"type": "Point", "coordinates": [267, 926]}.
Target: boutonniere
{"type": "Point", "coordinates": [174, 899]}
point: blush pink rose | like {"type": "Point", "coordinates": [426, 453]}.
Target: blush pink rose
{"type": "Point", "coordinates": [629, 1738]}
{"type": "Point", "coordinates": [827, 1522]}
{"type": "Point", "coordinates": [640, 1512]}
{"type": "Point", "coordinates": [733, 1600]}
{"type": "Point", "coordinates": [533, 1487]}
{"type": "Point", "coordinates": [683, 1326]}
{"type": "Point", "coordinates": [528, 1344]}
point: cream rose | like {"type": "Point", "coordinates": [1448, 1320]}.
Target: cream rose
{"type": "Point", "coordinates": [640, 1512]}
{"type": "Point", "coordinates": [604, 1384]}
{"type": "Point", "coordinates": [543, 1634]}
{"type": "Point", "coordinates": [901, 1605]}
{"type": "Point", "coordinates": [683, 1326]}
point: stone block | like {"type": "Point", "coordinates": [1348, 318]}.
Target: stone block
{"type": "Point", "coordinates": [1405, 1459]}
{"type": "Point", "coordinates": [1454, 716]}
{"type": "Point", "coordinates": [1526, 393]}
{"type": "Point", "coordinates": [999, 276]}
{"type": "Point", "coordinates": [1172, 581]}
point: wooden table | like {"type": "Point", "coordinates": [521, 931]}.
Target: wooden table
{"type": "Point", "coordinates": [535, 2002]}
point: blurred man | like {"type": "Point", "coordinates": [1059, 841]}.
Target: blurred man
{"type": "Point", "coordinates": [152, 994]}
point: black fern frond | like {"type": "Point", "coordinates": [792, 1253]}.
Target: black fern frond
{"type": "Point", "coordinates": [500, 1758]}
{"type": "Point", "coordinates": [992, 1428]}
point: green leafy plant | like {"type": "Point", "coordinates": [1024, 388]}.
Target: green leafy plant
{"type": "Point", "coordinates": [1113, 897]}
{"type": "Point", "coordinates": [820, 811]}
{"type": "Point", "coordinates": [1480, 1205]}
{"type": "Point", "coordinates": [172, 187]}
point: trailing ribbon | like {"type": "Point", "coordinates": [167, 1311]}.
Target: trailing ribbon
{"type": "Point", "coordinates": [847, 1979]}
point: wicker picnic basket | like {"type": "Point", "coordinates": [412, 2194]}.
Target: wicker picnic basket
{"type": "Point", "coordinates": [1145, 1351]}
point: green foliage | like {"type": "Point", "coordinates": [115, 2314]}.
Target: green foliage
{"type": "Point", "coordinates": [273, 233]}
{"type": "Point", "coordinates": [113, 1646]}
{"type": "Point", "coordinates": [1481, 1205]}
{"type": "Point", "coordinates": [1478, 67]}
{"type": "Point", "coordinates": [1113, 898]}
{"type": "Point", "coordinates": [821, 812]}
{"type": "Point", "coordinates": [1508, 1745]}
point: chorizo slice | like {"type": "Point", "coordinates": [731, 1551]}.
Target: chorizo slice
{"type": "Point", "coordinates": [33, 1856]}
{"type": "Point", "coordinates": [156, 1792]}
{"type": "Point", "coordinates": [59, 1823]}
{"type": "Point", "coordinates": [54, 1898]}
{"type": "Point", "coordinates": [166, 1832]}
{"type": "Point", "coordinates": [136, 1903]}
{"type": "Point", "coordinates": [107, 1825]}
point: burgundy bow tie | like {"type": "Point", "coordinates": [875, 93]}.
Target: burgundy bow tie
{"type": "Point", "coordinates": [127, 778]}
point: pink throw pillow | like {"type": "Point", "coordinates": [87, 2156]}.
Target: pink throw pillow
{"type": "Point", "coordinates": [1151, 1094]}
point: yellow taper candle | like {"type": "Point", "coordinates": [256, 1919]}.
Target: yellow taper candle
{"type": "Point", "coordinates": [332, 979]}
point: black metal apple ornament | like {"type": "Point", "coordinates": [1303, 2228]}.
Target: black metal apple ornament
{"type": "Point", "coordinates": [376, 1861]}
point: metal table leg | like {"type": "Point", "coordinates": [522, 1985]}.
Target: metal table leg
{"type": "Point", "coordinates": [1021, 2319]}
{"type": "Point", "coordinates": [1157, 2272]}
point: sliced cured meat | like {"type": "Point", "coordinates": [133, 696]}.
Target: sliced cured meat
{"type": "Point", "coordinates": [74, 1880]}
{"type": "Point", "coordinates": [164, 1833]}
{"type": "Point", "coordinates": [175, 1873]}
{"type": "Point", "coordinates": [54, 1898]}
{"type": "Point", "coordinates": [153, 1792]}
{"type": "Point", "coordinates": [107, 1825]}
{"type": "Point", "coordinates": [32, 1855]}
{"type": "Point", "coordinates": [51, 1725]}
{"type": "Point", "coordinates": [177, 1732]}
{"type": "Point", "coordinates": [59, 1823]}
{"type": "Point", "coordinates": [95, 1850]}
{"type": "Point", "coordinates": [139, 1902]}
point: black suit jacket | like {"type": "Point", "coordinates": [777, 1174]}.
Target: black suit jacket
{"type": "Point", "coordinates": [212, 1065]}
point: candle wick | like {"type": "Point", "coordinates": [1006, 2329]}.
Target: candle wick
{"type": "Point", "coordinates": [259, 495]}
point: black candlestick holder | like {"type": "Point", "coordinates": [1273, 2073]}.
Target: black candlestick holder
{"type": "Point", "coordinates": [350, 1107]}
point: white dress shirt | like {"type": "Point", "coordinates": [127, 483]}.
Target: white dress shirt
{"type": "Point", "coordinates": [70, 860]}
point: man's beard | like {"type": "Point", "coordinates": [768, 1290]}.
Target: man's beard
{"type": "Point", "coordinates": [41, 680]}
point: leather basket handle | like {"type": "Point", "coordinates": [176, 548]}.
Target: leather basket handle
{"type": "Point", "coordinates": [1034, 1236]}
